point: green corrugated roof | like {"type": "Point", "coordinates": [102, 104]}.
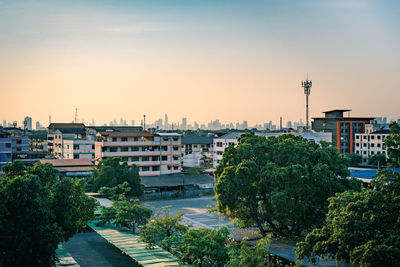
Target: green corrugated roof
{"type": "Point", "coordinates": [65, 259]}
{"type": "Point", "coordinates": [128, 242]}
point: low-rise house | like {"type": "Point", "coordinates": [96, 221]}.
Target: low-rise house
{"type": "Point", "coordinates": [371, 142]}
{"type": "Point", "coordinates": [197, 150]}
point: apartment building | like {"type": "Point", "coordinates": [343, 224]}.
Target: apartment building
{"type": "Point", "coordinates": [371, 142]}
{"type": "Point", "coordinates": [5, 149]}
{"type": "Point", "coordinates": [70, 141]}
{"type": "Point", "coordinates": [153, 153]}
{"type": "Point", "coordinates": [343, 128]}
{"type": "Point", "coordinates": [197, 150]}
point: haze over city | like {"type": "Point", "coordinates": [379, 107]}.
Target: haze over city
{"type": "Point", "coordinates": [204, 60]}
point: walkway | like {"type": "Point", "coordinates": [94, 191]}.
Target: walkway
{"type": "Point", "coordinates": [128, 242]}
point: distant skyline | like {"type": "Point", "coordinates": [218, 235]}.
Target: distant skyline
{"type": "Point", "coordinates": [203, 60]}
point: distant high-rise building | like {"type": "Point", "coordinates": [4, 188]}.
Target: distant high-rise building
{"type": "Point", "coordinates": [132, 123]}
{"type": "Point", "coordinates": [28, 123]}
{"type": "Point", "coordinates": [245, 125]}
{"type": "Point", "coordinates": [166, 126]}
{"type": "Point", "coordinates": [4, 123]}
{"type": "Point", "coordinates": [184, 123]}
{"type": "Point", "coordinates": [289, 124]}
{"type": "Point", "coordinates": [38, 126]}
{"type": "Point", "coordinates": [196, 125]}
{"type": "Point", "coordinates": [49, 119]}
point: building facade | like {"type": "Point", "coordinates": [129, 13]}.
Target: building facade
{"type": "Point", "coordinates": [197, 150]}
{"type": "Point", "coordinates": [371, 142]}
{"type": "Point", "coordinates": [5, 149]}
{"type": "Point", "coordinates": [343, 129]}
{"type": "Point", "coordinates": [153, 153]}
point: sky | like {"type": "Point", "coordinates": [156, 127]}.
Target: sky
{"type": "Point", "coordinates": [204, 60]}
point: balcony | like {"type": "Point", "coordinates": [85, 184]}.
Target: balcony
{"type": "Point", "coordinates": [132, 143]}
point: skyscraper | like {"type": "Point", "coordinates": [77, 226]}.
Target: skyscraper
{"type": "Point", "coordinates": [166, 122]}
{"type": "Point", "coordinates": [28, 123]}
{"type": "Point", "coordinates": [184, 123]}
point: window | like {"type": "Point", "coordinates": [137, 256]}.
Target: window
{"type": "Point", "coordinates": [164, 158]}
{"type": "Point", "coordinates": [155, 158]}
{"type": "Point", "coordinates": [92, 146]}
{"type": "Point", "coordinates": [19, 142]}
{"type": "Point", "coordinates": [378, 145]}
{"type": "Point", "coordinates": [145, 169]}
{"type": "Point", "coordinates": [176, 158]}
{"type": "Point", "coordinates": [145, 148]}
{"type": "Point", "coordinates": [114, 139]}
{"type": "Point", "coordinates": [124, 139]}
{"type": "Point", "coordinates": [134, 158]}
{"type": "Point", "coordinates": [219, 144]}
{"type": "Point", "coordinates": [134, 148]}
{"type": "Point", "coordinates": [67, 146]}
{"type": "Point", "coordinates": [365, 144]}
{"type": "Point", "coordinates": [164, 148]}
{"type": "Point", "coordinates": [372, 152]}
{"type": "Point", "coordinates": [372, 145]}
{"type": "Point", "coordinates": [169, 167]}
{"type": "Point", "coordinates": [195, 146]}
{"type": "Point", "coordinates": [19, 149]}
{"type": "Point", "coordinates": [365, 153]}
{"type": "Point", "coordinates": [372, 137]}
{"type": "Point", "coordinates": [145, 158]}
{"type": "Point", "coordinates": [176, 168]}
{"type": "Point", "coordinates": [165, 138]}
{"type": "Point", "coordinates": [378, 137]}
{"type": "Point", "coordinates": [76, 147]}
{"type": "Point", "coordinates": [219, 152]}
{"type": "Point", "coordinates": [124, 149]}
{"type": "Point", "coordinates": [76, 156]}
{"type": "Point", "coordinates": [357, 137]}
{"type": "Point", "coordinates": [357, 144]}
{"type": "Point", "coordinates": [8, 155]}
{"type": "Point", "coordinates": [8, 145]}
{"type": "Point", "coordinates": [364, 137]}
{"type": "Point", "coordinates": [113, 149]}
{"type": "Point", "coordinates": [357, 152]}
{"type": "Point", "coordinates": [176, 138]}
{"type": "Point", "coordinates": [124, 158]}
{"type": "Point", "coordinates": [156, 168]}
{"type": "Point", "coordinates": [176, 148]}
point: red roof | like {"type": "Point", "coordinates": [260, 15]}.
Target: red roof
{"type": "Point", "coordinates": [67, 162]}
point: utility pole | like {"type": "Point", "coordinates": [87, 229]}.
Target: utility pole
{"type": "Point", "coordinates": [307, 89]}
{"type": "Point", "coordinates": [76, 116]}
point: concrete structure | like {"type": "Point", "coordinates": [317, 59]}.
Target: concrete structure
{"type": "Point", "coordinates": [153, 153]}
{"type": "Point", "coordinates": [197, 150]}
{"type": "Point", "coordinates": [28, 123]}
{"type": "Point", "coordinates": [371, 142]}
{"type": "Point", "coordinates": [343, 129]}
{"type": "Point", "coordinates": [5, 149]}
{"type": "Point", "coordinates": [71, 167]}
{"type": "Point", "coordinates": [70, 141]}
{"type": "Point", "coordinates": [221, 143]}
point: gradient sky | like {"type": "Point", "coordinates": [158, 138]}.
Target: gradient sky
{"type": "Point", "coordinates": [204, 60]}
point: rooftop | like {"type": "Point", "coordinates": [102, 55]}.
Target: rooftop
{"type": "Point", "coordinates": [337, 110]}
{"type": "Point", "coordinates": [67, 162]}
{"type": "Point", "coordinates": [233, 135]}
{"type": "Point", "coordinates": [127, 134]}
{"type": "Point", "coordinates": [197, 140]}
{"type": "Point", "coordinates": [66, 125]}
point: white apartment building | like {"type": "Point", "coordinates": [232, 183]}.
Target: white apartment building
{"type": "Point", "coordinates": [371, 142]}
{"type": "Point", "coordinates": [197, 150]}
{"type": "Point", "coordinates": [70, 141]}
{"type": "Point", "coordinates": [153, 153]}
{"type": "Point", "coordinates": [222, 142]}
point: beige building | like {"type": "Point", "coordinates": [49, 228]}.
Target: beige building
{"type": "Point", "coordinates": [153, 153]}
{"type": "Point", "coordinates": [371, 142]}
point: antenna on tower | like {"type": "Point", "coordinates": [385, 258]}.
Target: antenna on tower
{"type": "Point", "coordinates": [144, 122]}
{"type": "Point", "coordinates": [76, 115]}
{"type": "Point", "coordinates": [307, 90]}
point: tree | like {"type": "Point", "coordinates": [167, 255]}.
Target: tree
{"type": "Point", "coordinates": [125, 213]}
{"type": "Point", "coordinates": [204, 247]}
{"type": "Point", "coordinates": [114, 192]}
{"type": "Point", "coordinates": [377, 160]}
{"type": "Point", "coordinates": [111, 172]}
{"type": "Point", "coordinates": [37, 212]}
{"type": "Point", "coordinates": [361, 227]}
{"type": "Point", "coordinates": [392, 143]}
{"type": "Point", "coordinates": [354, 159]}
{"type": "Point", "coordinates": [163, 230]}
{"type": "Point", "coordinates": [281, 183]}
{"type": "Point", "coordinates": [250, 256]}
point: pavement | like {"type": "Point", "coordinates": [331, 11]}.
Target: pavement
{"type": "Point", "coordinates": [92, 250]}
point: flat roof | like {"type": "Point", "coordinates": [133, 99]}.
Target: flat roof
{"type": "Point", "coordinates": [337, 110]}
{"type": "Point", "coordinates": [176, 180]}
{"type": "Point", "coordinates": [128, 134]}
{"type": "Point", "coordinates": [67, 162]}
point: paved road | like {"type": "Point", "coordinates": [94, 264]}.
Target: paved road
{"type": "Point", "coordinates": [92, 250]}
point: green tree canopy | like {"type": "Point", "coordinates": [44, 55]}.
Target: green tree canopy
{"type": "Point", "coordinates": [377, 160]}
{"type": "Point", "coordinates": [125, 213]}
{"type": "Point", "coordinates": [354, 159]}
{"type": "Point", "coordinates": [163, 230]}
{"type": "Point", "coordinates": [361, 227]}
{"type": "Point", "coordinates": [204, 247]}
{"type": "Point", "coordinates": [392, 143]}
{"type": "Point", "coordinates": [281, 183]}
{"type": "Point", "coordinates": [38, 211]}
{"type": "Point", "coordinates": [250, 256]}
{"type": "Point", "coordinates": [111, 172]}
